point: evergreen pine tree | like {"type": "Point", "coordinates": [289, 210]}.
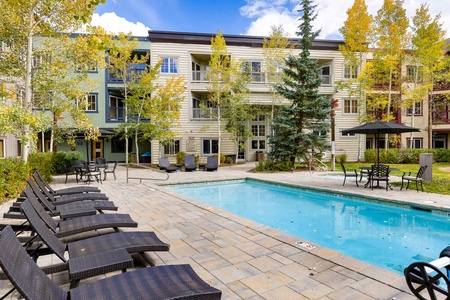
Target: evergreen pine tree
{"type": "Point", "coordinates": [300, 128]}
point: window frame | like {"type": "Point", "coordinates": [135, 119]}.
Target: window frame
{"type": "Point", "coordinates": [259, 140]}
{"type": "Point", "coordinates": [409, 109]}
{"type": "Point", "coordinates": [171, 66]}
{"type": "Point", "coordinates": [212, 147]}
{"type": "Point", "coordinates": [95, 95]}
{"type": "Point", "coordinates": [352, 107]}
{"type": "Point", "coordinates": [415, 139]}
{"type": "Point", "coordinates": [256, 75]}
{"type": "Point", "coordinates": [352, 73]}
{"type": "Point", "coordinates": [330, 72]}
{"type": "Point", "coordinates": [173, 149]}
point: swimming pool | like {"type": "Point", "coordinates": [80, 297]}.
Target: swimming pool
{"type": "Point", "coordinates": [388, 236]}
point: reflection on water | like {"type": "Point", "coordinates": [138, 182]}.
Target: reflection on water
{"type": "Point", "coordinates": [387, 236]}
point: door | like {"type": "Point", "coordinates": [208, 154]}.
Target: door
{"type": "Point", "coordinates": [241, 151]}
{"type": "Point", "coordinates": [97, 149]}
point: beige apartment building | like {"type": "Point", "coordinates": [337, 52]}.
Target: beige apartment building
{"type": "Point", "coordinates": [188, 55]}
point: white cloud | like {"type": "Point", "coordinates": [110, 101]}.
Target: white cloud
{"type": "Point", "coordinates": [115, 24]}
{"type": "Point", "coordinates": [331, 15]}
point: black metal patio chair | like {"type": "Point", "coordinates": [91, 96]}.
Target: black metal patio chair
{"type": "Point", "coordinates": [407, 176]}
{"type": "Point", "coordinates": [347, 173]}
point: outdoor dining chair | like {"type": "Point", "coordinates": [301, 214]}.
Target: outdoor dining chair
{"type": "Point", "coordinates": [110, 171]}
{"type": "Point", "coordinates": [379, 173]}
{"type": "Point", "coordinates": [407, 176]}
{"type": "Point", "coordinates": [352, 173]}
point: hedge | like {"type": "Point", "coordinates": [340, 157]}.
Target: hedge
{"type": "Point", "coordinates": [405, 156]}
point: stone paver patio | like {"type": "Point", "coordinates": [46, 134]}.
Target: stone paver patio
{"type": "Point", "coordinates": [244, 259]}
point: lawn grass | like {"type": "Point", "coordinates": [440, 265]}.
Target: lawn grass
{"type": "Point", "coordinates": [440, 178]}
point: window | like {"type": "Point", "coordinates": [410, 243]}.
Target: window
{"type": "Point", "coordinates": [91, 102]}
{"type": "Point", "coordinates": [2, 148]}
{"type": "Point", "coordinates": [348, 134]}
{"type": "Point", "coordinates": [254, 70]}
{"type": "Point", "coordinates": [259, 134]}
{"type": "Point", "coordinates": [196, 72]}
{"type": "Point", "coordinates": [326, 75]}
{"type": "Point", "coordinates": [210, 147]}
{"type": "Point", "coordinates": [351, 71]}
{"type": "Point", "coordinates": [20, 96]}
{"type": "Point", "coordinates": [350, 106]}
{"type": "Point", "coordinates": [169, 65]}
{"type": "Point", "coordinates": [118, 145]}
{"type": "Point", "coordinates": [172, 149]}
{"type": "Point", "coordinates": [369, 144]}
{"type": "Point", "coordinates": [19, 148]}
{"type": "Point", "coordinates": [411, 74]}
{"type": "Point", "coordinates": [115, 108]}
{"type": "Point", "coordinates": [417, 111]}
{"type": "Point", "coordinates": [416, 143]}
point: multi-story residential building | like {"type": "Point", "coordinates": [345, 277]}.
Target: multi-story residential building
{"type": "Point", "coordinates": [188, 55]}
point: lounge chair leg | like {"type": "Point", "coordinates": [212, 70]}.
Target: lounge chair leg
{"type": "Point", "coordinates": [74, 283]}
{"type": "Point", "coordinates": [147, 259]}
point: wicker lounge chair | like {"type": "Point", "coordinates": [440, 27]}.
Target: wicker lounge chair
{"type": "Point", "coordinates": [162, 282]}
{"type": "Point", "coordinates": [211, 163]}
{"type": "Point", "coordinates": [55, 207]}
{"type": "Point", "coordinates": [132, 242]}
{"type": "Point", "coordinates": [97, 204]}
{"type": "Point", "coordinates": [189, 162]}
{"type": "Point", "coordinates": [349, 174]}
{"type": "Point", "coordinates": [43, 185]}
{"type": "Point", "coordinates": [68, 198]}
{"type": "Point", "coordinates": [83, 224]}
{"type": "Point", "coordinates": [165, 165]}
{"type": "Point", "coordinates": [407, 176]}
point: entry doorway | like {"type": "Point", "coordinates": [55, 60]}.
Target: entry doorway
{"type": "Point", "coordinates": [241, 151]}
{"type": "Point", "coordinates": [97, 149]}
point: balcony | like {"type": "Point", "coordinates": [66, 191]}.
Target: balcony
{"type": "Point", "coordinates": [133, 74]}
{"type": "Point", "coordinates": [201, 114]}
{"type": "Point", "coordinates": [441, 116]}
{"type": "Point", "coordinates": [257, 77]}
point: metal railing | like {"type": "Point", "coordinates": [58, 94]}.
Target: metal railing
{"type": "Point", "coordinates": [145, 178]}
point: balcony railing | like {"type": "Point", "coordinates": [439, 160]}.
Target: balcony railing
{"type": "Point", "coordinates": [441, 116]}
{"type": "Point", "coordinates": [202, 114]}
{"type": "Point", "coordinates": [116, 114]}
{"type": "Point", "coordinates": [257, 77]}
{"type": "Point", "coordinates": [132, 75]}
{"type": "Point", "coordinates": [378, 114]}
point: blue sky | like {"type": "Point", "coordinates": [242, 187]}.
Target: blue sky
{"type": "Point", "coordinates": [249, 17]}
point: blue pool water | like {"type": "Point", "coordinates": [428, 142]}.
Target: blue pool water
{"type": "Point", "coordinates": [388, 236]}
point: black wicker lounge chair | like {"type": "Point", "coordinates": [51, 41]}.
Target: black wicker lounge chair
{"type": "Point", "coordinates": [83, 224]}
{"type": "Point", "coordinates": [43, 185]}
{"type": "Point", "coordinates": [211, 163]}
{"type": "Point", "coordinates": [189, 162]}
{"type": "Point", "coordinates": [165, 165]}
{"type": "Point", "coordinates": [67, 198]}
{"type": "Point", "coordinates": [162, 282]}
{"type": "Point", "coordinates": [97, 204]}
{"type": "Point", "coordinates": [132, 242]}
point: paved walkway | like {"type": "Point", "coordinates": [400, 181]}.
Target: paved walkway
{"type": "Point", "coordinates": [244, 259]}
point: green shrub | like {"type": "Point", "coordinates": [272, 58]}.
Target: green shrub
{"type": "Point", "coordinates": [180, 157]}
{"type": "Point", "coordinates": [284, 165]}
{"type": "Point", "coordinates": [341, 158]}
{"type": "Point", "coordinates": [405, 156]}
{"type": "Point", "coordinates": [265, 165]}
{"type": "Point", "coordinates": [42, 161]}
{"type": "Point", "coordinates": [13, 175]}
